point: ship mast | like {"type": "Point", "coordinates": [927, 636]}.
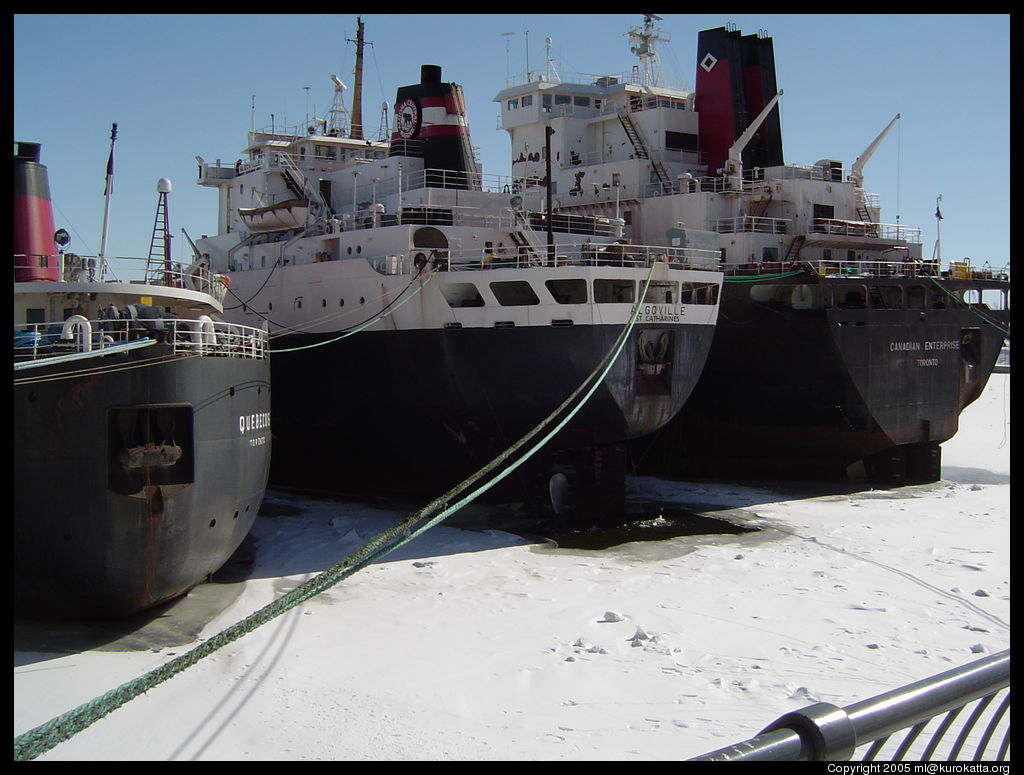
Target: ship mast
{"type": "Point", "coordinates": [642, 42]}
{"type": "Point", "coordinates": [356, 132]}
{"type": "Point", "coordinates": [108, 191]}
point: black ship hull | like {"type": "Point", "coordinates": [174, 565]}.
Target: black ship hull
{"type": "Point", "coordinates": [415, 412]}
{"type": "Point", "coordinates": [133, 482]}
{"type": "Point", "coordinates": [843, 382]}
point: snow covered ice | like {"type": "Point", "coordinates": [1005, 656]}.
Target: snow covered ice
{"type": "Point", "coordinates": [480, 645]}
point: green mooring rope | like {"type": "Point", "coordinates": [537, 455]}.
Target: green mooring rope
{"type": "Point", "coordinates": [41, 739]}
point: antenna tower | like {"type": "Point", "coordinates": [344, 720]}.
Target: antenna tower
{"type": "Point", "coordinates": [160, 244]}
{"type": "Point", "coordinates": [642, 43]}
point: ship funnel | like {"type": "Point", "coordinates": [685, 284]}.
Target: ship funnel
{"type": "Point", "coordinates": [431, 124]}
{"type": "Point", "coordinates": [430, 74]}
{"type": "Point", "coordinates": [35, 255]}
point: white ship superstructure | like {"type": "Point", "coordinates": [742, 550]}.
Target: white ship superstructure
{"type": "Point", "coordinates": [478, 306]}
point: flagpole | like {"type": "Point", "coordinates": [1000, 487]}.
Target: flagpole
{"type": "Point", "coordinates": [108, 190]}
{"type": "Point", "coordinates": [937, 252]}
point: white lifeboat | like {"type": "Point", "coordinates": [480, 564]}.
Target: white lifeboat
{"type": "Point", "coordinates": [290, 214]}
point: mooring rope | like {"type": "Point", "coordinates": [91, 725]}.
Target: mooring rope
{"type": "Point", "coordinates": [44, 737]}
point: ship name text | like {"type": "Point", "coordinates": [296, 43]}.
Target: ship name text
{"type": "Point", "coordinates": [918, 346]}
{"type": "Point", "coordinates": [253, 422]}
{"type": "Point", "coordinates": [662, 313]}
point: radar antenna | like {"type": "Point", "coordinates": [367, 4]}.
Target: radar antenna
{"type": "Point", "coordinates": [642, 43]}
{"type": "Point", "coordinates": [337, 118]}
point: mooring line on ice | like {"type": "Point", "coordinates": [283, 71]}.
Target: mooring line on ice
{"type": "Point", "coordinates": [44, 737]}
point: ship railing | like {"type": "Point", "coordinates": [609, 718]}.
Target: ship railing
{"type": "Point", "coordinates": [581, 253]}
{"type": "Point", "coordinates": [473, 181]}
{"type": "Point", "coordinates": [829, 172]}
{"type": "Point", "coordinates": [201, 336]}
{"type": "Point", "coordinates": [502, 219]}
{"type": "Point", "coordinates": [754, 224]}
{"type": "Point", "coordinates": [885, 231]}
{"type": "Point", "coordinates": [73, 268]}
{"type": "Point", "coordinates": [424, 215]}
{"type": "Point", "coordinates": [955, 270]}
{"type": "Point", "coordinates": [923, 721]}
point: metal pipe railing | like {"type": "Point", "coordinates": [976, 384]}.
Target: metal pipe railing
{"type": "Point", "coordinates": [825, 732]}
{"type": "Point", "coordinates": [188, 337]}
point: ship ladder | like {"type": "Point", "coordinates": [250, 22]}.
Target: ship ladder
{"type": "Point", "coordinates": [865, 216]}
{"type": "Point", "coordinates": [300, 185]}
{"type": "Point", "coordinates": [794, 248]}
{"type": "Point", "coordinates": [641, 150]}
{"type": "Point", "coordinates": [526, 247]}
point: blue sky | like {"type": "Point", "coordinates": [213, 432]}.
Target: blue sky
{"type": "Point", "coordinates": [179, 86]}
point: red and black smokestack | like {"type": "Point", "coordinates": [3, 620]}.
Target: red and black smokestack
{"type": "Point", "coordinates": [735, 80]}
{"type": "Point", "coordinates": [36, 256]}
{"type": "Point", "coordinates": [430, 123]}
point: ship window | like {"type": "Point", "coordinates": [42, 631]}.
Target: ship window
{"type": "Point", "coordinates": [915, 297]}
{"type": "Point", "coordinates": [563, 99]}
{"type": "Point", "coordinates": [614, 291]}
{"type": "Point", "coordinates": [513, 104]}
{"type": "Point", "coordinates": [514, 294]}
{"type": "Point", "coordinates": [568, 291]}
{"type": "Point", "coordinates": [527, 100]}
{"type": "Point", "coordinates": [886, 297]}
{"type": "Point", "coordinates": [995, 298]}
{"type": "Point", "coordinates": [581, 102]}
{"type": "Point", "coordinates": [769, 254]}
{"type": "Point", "coordinates": [971, 296]}
{"type": "Point", "coordinates": [698, 293]}
{"type": "Point", "coordinates": [35, 315]}
{"type": "Point", "coordinates": [462, 295]}
{"type": "Point", "coordinates": [936, 298]}
{"type": "Point", "coordinates": [851, 297]}
{"type": "Point", "coordinates": [662, 293]}
{"type": "Point", "coordinates": [681, 141]}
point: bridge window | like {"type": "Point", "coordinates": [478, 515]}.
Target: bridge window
{"type": "Point", "coordinates": [568, 291]}
{"type": "Point", "coordinates": [614, 291]}
{"type": "Point", "coordinates": [514, 294]}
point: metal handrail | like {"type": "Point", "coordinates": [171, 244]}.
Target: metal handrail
{"type": "Point", "coordinates": [187, 337]}
{"type": "Point", "coordinates": [581, 253]}
{"type": "Point", "coordinates": [824, 732]}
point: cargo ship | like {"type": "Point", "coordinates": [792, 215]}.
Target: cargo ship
{"type": "Point", "coordinates": [141, 420]}
{"type": "Point", "coordinates": [424, 316]}
{"type": "Point", "coordinates": [840, 350]}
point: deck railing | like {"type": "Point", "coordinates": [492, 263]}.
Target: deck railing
{"type": "Point", "coordinates": [561, 254]}
{"type": "Point", "coordinates": [964, 712]}
{"type": "Point", "coordinates": [78, 334]}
